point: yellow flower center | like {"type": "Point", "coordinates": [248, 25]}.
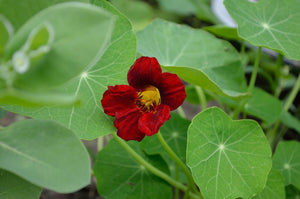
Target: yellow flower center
{"type": "Point", "coordinates": [148, 99]}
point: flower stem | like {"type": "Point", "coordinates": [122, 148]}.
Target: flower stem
{"type": "Point", "coordinates": [272, 134]}
{"type": "Point", "coordinates": [181, 112]}
{"type": "Point", "coordinates": [202, 97]}
{"type": "Point", "coordinates": [251, 84]}
{"type": "Point", "coordinates": [151, 168]}
{"type": "Point", "coordinates": [179, 162]}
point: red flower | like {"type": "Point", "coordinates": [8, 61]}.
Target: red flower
{"type": "Point", "coordinates": [142, 108]}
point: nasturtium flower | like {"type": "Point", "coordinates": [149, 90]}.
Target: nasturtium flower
{"type": "Point", "coordinates": [142, 107]}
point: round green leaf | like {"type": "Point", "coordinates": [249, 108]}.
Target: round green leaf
{"type": "Point", "coordinates": [195, 55]}
{"type": "Point", "coordinates": [46, 154]}
{"type": "Point", "coordinates": [228, 159]}
{"type": "Point", "coordinates": [88, 121]}
{"type": "Point", "coordinates": [273, 24]}
{"type": "Point", "coordinates": [287, 160]}
{"type": "Point", "coordinates": [274, 188]}
{"type": "Point", "coordinates": [12, 187]}
{"type": "Point", "coordinates": [120, 176]}
{"type": "Point", "coordinates": [74, 47]}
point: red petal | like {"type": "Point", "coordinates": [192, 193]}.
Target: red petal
{"type": "Point", "coordinates": [172, 90]}
{"type": "Point", "coordinates": [127, 124]}
{"type": "Point", "coordinates": [150, 122]}
{"type": "Point", "coordinates": [118, 98]}
{"type": "Point", "coordinates": [145, 71]}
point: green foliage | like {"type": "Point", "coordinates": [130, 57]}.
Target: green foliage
{"type": "Point", "coordinates": [270, 23]}
{"type": "Point", "coordinates": [121, 176]}
{"type": "Point", "coordinates": [12, 187]}
{"type": "Point", "coordinates": [287, 160]}
{"type": "Point", "coordinates": [88, 120]}
{"type": "Point", "coordinates": [46, 154]}
{"type": "Point", "coordinates": [228, 158]}
{"type": "Point", "coordinates": [223, 31]}
{"type": "Point", "coordinates": [191, 54]}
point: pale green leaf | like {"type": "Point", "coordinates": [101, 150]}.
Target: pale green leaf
{"type": "Point", "coordinates": [228, 159]}
{"type": "Point", "coordinates": [88, 121]}
{"type": "Point", "coordinates": [287, 160]}
{"type": "Point", "coordinates": [46, 154]}
{"type": "Point", "coordinates": [273, 24]}
{"type": "Point", "coordinates": [13, 187]}
{"type": "Point", "coordinates": [290, 121]}
{"type": "Point", "coordinates": [194, 55]}
{"type": "Point", "coordinates": [274, 188]}
{"type": "Point", "coordinates": [119, 175]}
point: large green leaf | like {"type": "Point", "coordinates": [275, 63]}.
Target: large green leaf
{"type": "Point", "coordinates": [274, 188]}
{"type": "Point", "coordinates": [12, 187]}
{"type": "Point", "coordinates": [88, 120]}
{"type": "Point", "coordinates": [195, 55]}
{"type": "Point", "coordinates": [287, 160]}
{"type": "Point", "coordinates": [11, 9]}
{"type": "Point", "coordinates": [174, 132]}
{"type": "Point", "coordinates": [120, 176]}
{"type": "Point", "coordinates": [273, 24]}
{"type": "Point", "coordinates": [74, 45]}
{"type": "Point", "coordinates": [228, 159]}
{"type": "Point", "coordinates": [46, 154]}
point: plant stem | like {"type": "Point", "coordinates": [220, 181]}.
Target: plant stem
{"type": "Point", "coordinates": [272, 134]}
{"type": "Point", "coordinates": [181, 112]}
{"type": "Point", "coordinates": [202, 97]}
{"type": "Point", "coordinates": [251, 84]}
{"type": "Point", "coordinates": [176, 191]}
{"type": "Point", "coordinates": [292, 95]}
{"type": "Point", "coordinates": [279, 63]}
{"type": "Point", "coordinates": [179, 162]}
{"type": "Point", "coordinates": [254, 72]}
{"type": "Point", "coordinates": [151, 168]}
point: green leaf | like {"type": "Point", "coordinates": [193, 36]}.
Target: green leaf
{"type": "Point", "coordinates": [12, 187]}
{"type": "Point", "coordinates": [174, 132]}
{"type": "Point", "coordinates": [46, 154]}
{"type": "Point", "coordinates": [88, 120]}
{"type": "Point", "coordinates": [228, 159]}
{"type": "Point", "coordinates": [177, 6]}
{"type": "Point", "coordinates": [269, 23]}
{"type": "Point", "coordinates": [290, 121]}
{"type": "Point", "coordinates": [263, 105]}
{"type": "Point", "coordinates": [195, 55]}
{"type": "Point", "coordinates": [274, 188]}
{"type": "Point", "coordinates": [120, 176]}
{"type": "Point", "coordinates": [191, 94]}
{"type": "Point", "coordinates": [83, 43]}
{"type": "Point", "coordinates": [292, 192]}
{"type": "Point", "coordinates": [287, 160]}
{"type": "Point", "coordinates": [11, 9]}
{"type": "Point", "coordinates": [223, 31]}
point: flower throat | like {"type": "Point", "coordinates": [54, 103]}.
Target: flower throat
{"type": "Point", "coordinates": [148, 99]}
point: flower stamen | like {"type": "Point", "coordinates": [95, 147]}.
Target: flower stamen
{"type": "Point", "coordinates": [148, 99]}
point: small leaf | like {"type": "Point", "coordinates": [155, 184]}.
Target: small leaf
{"type": "Point", "coordinates": [290, 121]}
{"type": "Point", "coordinates": [228, 159]}
{"type": "Point", "coordinates": [287, 160]}
{"type": "Point", "coordinates": [120, 176]}
{"type": "Point", "coordinates": [273, 24]}
{"type": "Point", "coordinates": [194, 55]}
{"type": "Point", "coordinates": [40, 36]}
{"type": "Point", "coordinates": [274, 188]}
{"type": "Point", "coordinates": [12, 187]}
{"type": "Point", "coordinates": [263, 105]}
{"type": "Point", "coordinates": [174, 132]}
{"type": "Point", "coordinates": [46, 154]}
